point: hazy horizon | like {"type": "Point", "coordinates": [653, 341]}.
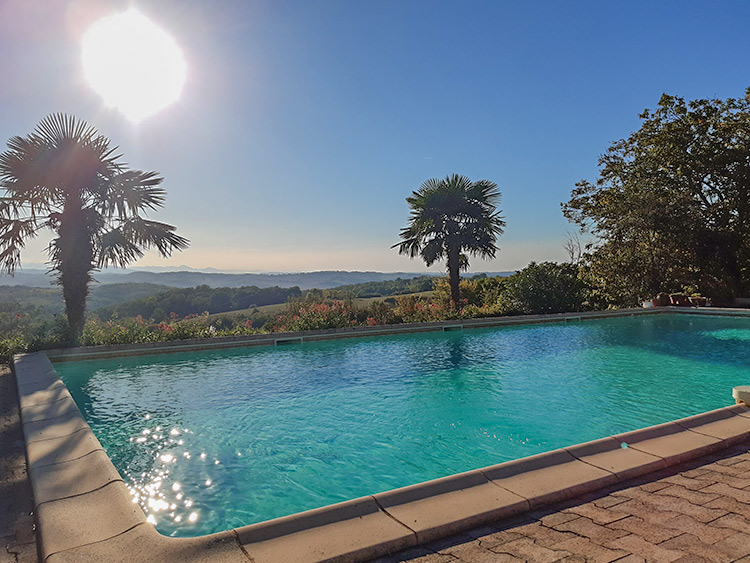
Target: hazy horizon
{"type": "Point", "coordinates": [184, 268]}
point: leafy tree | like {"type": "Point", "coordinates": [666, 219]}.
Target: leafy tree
{"type": "Point", "coordinates": [449, 218]}
{"type": "Point", "coordinates": [65, 177]}
{"type": "Point", "coordinates": [543, 288]}
{"type": "Point", "coordinates": [671, 206]}
{"type": "Point", "coordinates": [479, 290]}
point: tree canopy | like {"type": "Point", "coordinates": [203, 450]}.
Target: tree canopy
{"type": "Point", "coordinates": [65, 177]}
{"type": "Point", "coordinates": [671, 205]}
{"type": "Point", "coordinates": [450, 218]}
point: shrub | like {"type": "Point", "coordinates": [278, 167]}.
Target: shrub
{"type": "Point", "coordinates": [314, 316]}
{"type": "Point", "coordinates": [543, 288]}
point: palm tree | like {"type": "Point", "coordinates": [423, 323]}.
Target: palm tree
{"type": "Point", "coordinates": [65, 177]}
{"type": "Point", "coordinates": [449, 218]}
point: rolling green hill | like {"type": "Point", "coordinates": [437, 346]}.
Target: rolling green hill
{"type": "Point", "coordinates": [48, 301]}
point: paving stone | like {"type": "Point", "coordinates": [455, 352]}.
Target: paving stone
{"type": "Point", "coordinates": [592, 552]}
{"type": "Point", "coordinates": [695, 484]}
{"type": "Point", "coordinates": [725, 469]}
{"type": "Point", "coordinates": [526, 549]}
{"type": "Point", "coordinates": [555, 518]}
{"type": "Point", "coordinates": [690, 558]}
{"type": "Point", "coordinates": [734, 546]}
{"type": "Point", "coordinates": [647, 512]}
{"type": "Point", "coordinates": [416, 555]}
{"type": "Point", "coordinates": [598, 515]}
{"type": "Point", "coordinates": [475, 553]}
{"type": "Point", "coordinates": [608, 501]}
{"type": "Point", "coordinates": [726, 490]}
{"type": "Point", "coordinates": [695, 497]}
{"type": "Point", "coordinates": [675, 504]}
{"type": "Point", "coordinates": [692, 473]}
{"type": "Point", "coordinates": [704, 532]}
{"type": "Point", "coordinates": [726, 550]}
{"type": "Point", "coordinates": [589, 529]}
{"type": "Point", "coordinates": [632, 559]}
{"type": "Point", "coordinates": [649, 531]}
{"type": "Point", "coordinates": [733, 522]}
{"type": "Point", "coordinates": [544, 536]}
{"type": "Point", "coordinates": [444, 544]}
{"type": "Point", "coordinates": [497, 538]}
{"type": "Point", "coordinates": [711, 477]}
{"type": "Point", "coordinates": [639, 546]}
{"type": "Point", "coordinates": [730, 505]}
{"type": "Point", "coordinates": [728, 461]}
{"type": "Point", "coordinates": [653, 487]}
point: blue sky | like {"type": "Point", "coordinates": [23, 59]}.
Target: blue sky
{"type": "Point", "coordinates": [304, 125]}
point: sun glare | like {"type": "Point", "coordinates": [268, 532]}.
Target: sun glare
{"type": "Point", "coordinates": [133, 64]}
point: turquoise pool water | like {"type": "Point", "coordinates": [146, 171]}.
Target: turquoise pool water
{"type": "Point", "coordinates": [208, 441]}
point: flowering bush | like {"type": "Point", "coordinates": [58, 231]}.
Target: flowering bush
{"type": "Point", "coordinates": [315, 316]}
{"type": "Point", "coordinates": [414, 309]}
{"type": "Point", "coordinates": [96, 332]}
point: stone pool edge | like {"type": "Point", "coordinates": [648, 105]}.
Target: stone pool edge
{"type": "Point", "coordinates": [84, 511]}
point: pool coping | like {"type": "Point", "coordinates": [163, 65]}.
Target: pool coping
{"type": "Point", "coordinates": [84, 510]}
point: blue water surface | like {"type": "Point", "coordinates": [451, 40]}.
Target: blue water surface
{"type": "Point", "coordinates": [208, 441]}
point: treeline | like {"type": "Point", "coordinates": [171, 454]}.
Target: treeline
{"type": "Point", "coordinates": [398, 286]}
{"type": "Point", "coordinates": [182, 302]}
{"type": "Point", "coordinates": [46, 302]}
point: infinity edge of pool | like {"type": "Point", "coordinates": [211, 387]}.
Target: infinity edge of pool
{"type": "Point", "coordinates": [84, 510]}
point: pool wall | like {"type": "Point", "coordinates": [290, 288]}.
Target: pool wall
{"type": "Point", "coordinates": [84, 511]}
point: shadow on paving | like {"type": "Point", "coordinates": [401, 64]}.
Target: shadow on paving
{"type": "Point", "coordinates": [17, 538]}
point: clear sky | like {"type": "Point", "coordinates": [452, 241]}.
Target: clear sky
{"type": "Point", "coordinates": [303, 125]}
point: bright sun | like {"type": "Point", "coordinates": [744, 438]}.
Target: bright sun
{"type": "Point", "coordinates": [133, 64]}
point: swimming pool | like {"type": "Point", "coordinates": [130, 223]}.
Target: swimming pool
{"type": "Point", "coordinates": [214, 440]}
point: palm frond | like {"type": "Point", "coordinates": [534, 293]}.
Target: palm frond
{"type": "Point", "coordinates": [132, 237]}
{"type": "Point", "coordinates": [13, 236]}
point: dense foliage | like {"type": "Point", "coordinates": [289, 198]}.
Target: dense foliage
{"type": "Point", "coordinates": [671, 206]}
{"type": "Point", "coordinates": [544, 288]}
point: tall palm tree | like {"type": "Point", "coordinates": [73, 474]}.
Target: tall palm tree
{"type": "Point", "coordinates": [65, 177]}
{"type": "Point", "coordinates": [449, 218]}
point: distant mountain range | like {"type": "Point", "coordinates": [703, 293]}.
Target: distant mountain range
{"type": "Point", "coordinates": [304, 280]}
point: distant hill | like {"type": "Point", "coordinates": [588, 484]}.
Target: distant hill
{"type": "Point", "coordinates": [304, 280]}
{"type": "Point", "coordinates": [184, 301]}
{"type": "Point", "coordinates": [48, 300]}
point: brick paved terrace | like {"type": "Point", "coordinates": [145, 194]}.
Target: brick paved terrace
{"type": "Point", "coordinates": [691, 513]}
{"type": "Point", "coordinates": [17, 540]}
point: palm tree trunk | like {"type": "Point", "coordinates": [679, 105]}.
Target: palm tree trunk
{"type": "Point", "coordinates": [76, 256]}
{"type": "Point", "coordinates": [454, 278]}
